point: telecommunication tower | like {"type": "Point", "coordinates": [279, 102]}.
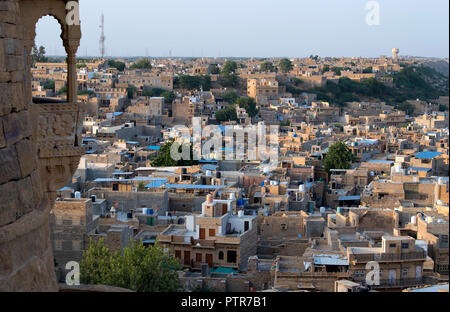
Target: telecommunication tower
{"type": "Point", "coordinates": [102, 37]}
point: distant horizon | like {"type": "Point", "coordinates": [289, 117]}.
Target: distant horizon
{"type": "Point", "coordinates": [255, 28]}
{"type": "Point", "coordinates": [249, 57]}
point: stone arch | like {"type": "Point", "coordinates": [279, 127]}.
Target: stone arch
{"type": "Point", "coordinates": [31, 12]}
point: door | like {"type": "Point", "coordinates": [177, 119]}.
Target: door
{"type": "Point", "coordinates": [209, 260]}
{"type": "Point", "coordinates": [202, 233]}
{"type": "Point", "coordinates": [178, 254]}
{"type": "Point", "coordinates": [187, 257]}
{"type": "Point", "coordinates": [198, 258]}
{"type": "Point", "coordinates": [392, 277]}
{"type": "Point", "coordinates": [418, 272]}
{"type": "Point", "coordinates": [246, 226]}
{"type": "Point", "coordinates": [224, 209]}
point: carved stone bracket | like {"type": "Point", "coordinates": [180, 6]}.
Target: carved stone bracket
{"type": "Point", "coordinates": [59, 143]}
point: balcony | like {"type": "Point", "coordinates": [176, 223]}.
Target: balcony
{"type": "Point", "coordinates": [387, 257]}
{"type": "Point", "coordinates": [400, 283]}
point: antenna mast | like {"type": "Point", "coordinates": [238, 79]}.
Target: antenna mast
{"type": "Point", "coordinates": [102, 37]}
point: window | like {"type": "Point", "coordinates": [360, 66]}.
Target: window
{"type": "Point", "coordinates": [392, 245]}
{"type": "Point", "coordinates": [58, 244]}
{"type": "Point", "coordinates": [405, 272]}
{"type": "Point", "coordinates": [284, 226]}
{"type": "Point", "coordinates": [212, 232]}
{"type": "Point", "coordinates": [231, 256]}
{"type": "Point", "coordinates": [405, 245]}
{"type": "Point", "coordinates": [359, 274]}
{"type": "Point", "coordinates": [220, 255]}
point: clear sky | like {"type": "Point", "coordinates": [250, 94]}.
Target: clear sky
{"type": "Point", "coordinates": [259, 28]}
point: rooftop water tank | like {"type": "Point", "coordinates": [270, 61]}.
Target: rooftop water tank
{"type": "Point", "coordinates": [414, 220]}
{"type": "Point", "coordinates": [232, 196]}
{"type": "Point", "coordinates": [302, 188]}
{"type": "Point", "coordinates": [241, 213]}
{"type": "Point", "coordinates": [144, 211]}
{"type": "Point", "coordinates": [208, 173]}
{"type": "Point", "coordinates": [77, 194]}
{"type": "Point", "coordinates": [150, 211]}
{"type": "Point", "coordinates": [322, 209]}
{"type": "Point", "coordinates": [339, 210]}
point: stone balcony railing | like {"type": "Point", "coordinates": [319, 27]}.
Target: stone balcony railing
{"type": "Point", "coordinates": [58, 140]}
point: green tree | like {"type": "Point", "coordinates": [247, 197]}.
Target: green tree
{"type": "Point", "coordinates": [267, 67]}
{"type": "Point", "coordinates": [249, 104]}
{"type": "Point", "coordinates": [368, 70]}
{"type": "Point", "coordinates": [139, 268]}
{"type": "Point", "coordinates": [131, 91]}
{"type": "Point", "coordinates": [38, 55]}
{"type": "Point", "coordinates": [338, 157]}
{"type": "Point", "coordinates": [407, 107]}
{"type": "Point", "coordinates": [337, 70]}
{"type": "Point", "coordinates": [141, 186]}
{"type": "Point", "coordinates": [297, 81]}
{"type": "Point", "coordinates": [49, 84]}
{"type": "Point", "coordinates": [325, 68]}
{"type": "Point", "coordinates": [116, 64]}
{"type": "Point", "coordinates": [194, 82]}
{"type": "Point", "coordinates": [443, 108]}
{"type": "Point", "coordinates": [229, 77]}
{"type": "Point", "coordinates": [63, 90]}
{"type": "Point", "coordinates": [168, 96]}
{"type": "Point", "coordinates": [142, 64]}
{"type": "Point", "coordinates": [227, 114]}
{"type": "Point", "coordinates": [86, 92]}
{"type": "Point", "coordinates": [164, 158]}
{"type": "Point", "coordinates": [286, 65]}
{"type": "Point", "coordinates": [214, 69]}
{"type": "Point", "coordinates": [229, 67]}
{"type": "Point", "coordinates": [230, 96]}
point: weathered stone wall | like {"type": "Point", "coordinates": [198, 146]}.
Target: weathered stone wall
{"type": "Point", "coordinates": [26, 193]}
{"type": "Point", "coordinates": [26, 260]}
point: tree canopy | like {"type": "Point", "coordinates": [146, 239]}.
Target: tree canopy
{"type": "Point", "coordinates": [38, 55]}
{"type": "Point", "coordinates": [194, 82]}
{"type": "Point", "coordinates": [116, 64]}
{"type": "Point", "coordinates": [286, 65]}
{"type": "Point", "coordinates": [164, 159]}
{"type": "Point", "coordinates": [249, 104]}
{"type": "Point", "coordinates": [267, 67]}
{"type": "Point", "coordinates": [230, 96]}
{"type": "Point", "coordinates": [229, 77]}
{"type": "Point", "coordinates": [338, 157]}
{"type": "Point", "coordinates": [142, 64]}
{"type": "Point", "coordinates": [168, 96]}
{"type": "Point", "coordinates": [226, 114]}
{"type": "Point", "coordinates": [139, 268]}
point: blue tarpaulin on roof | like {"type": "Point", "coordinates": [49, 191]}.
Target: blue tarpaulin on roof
{"type": "Point", "coordinates": [153, 148]}
{"type": "Point", "coordinates": [344, 198]}
{"type": "Point", "coordinates": [427, 155]}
